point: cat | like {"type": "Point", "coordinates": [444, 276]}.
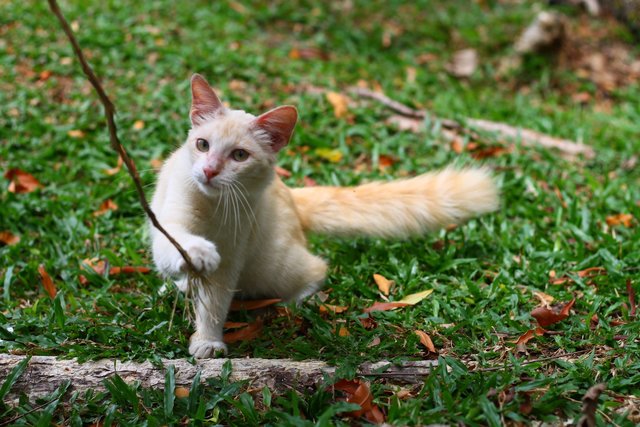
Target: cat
{"type": "Point", "coordinates": [218, 195]}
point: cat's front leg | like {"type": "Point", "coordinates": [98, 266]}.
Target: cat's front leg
{"type": "Point", "coordinates": [203, 253]}
{"type": "Point", "coordinates": [212, 300]}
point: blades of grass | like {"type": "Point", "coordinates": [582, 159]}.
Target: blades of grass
{"type": "Point", "coordinates": [7, 283]}
{"type": "Point", "coordinates": [13, 377]}
{"type": "Point", "coordinates": [266, 397]}
{"type": "Point", "coordinates": [122, 393]}
{"type": "Point", "coordinates": [47, 413]}
{"type": "Point", "coordinates": [194, 394]}
{"type": "Point", "coordinates": [169, 391]}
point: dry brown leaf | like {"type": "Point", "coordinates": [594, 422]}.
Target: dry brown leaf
{"type": "Point", "coordinates": [549, 315]}
{"type": "Point", "coordinates": [76, 133]}
{"type": "Point", "coordinates": [239, 305]}
{"type": "Point", "coordinates": [544, 298]}
{"type": "Point", "coordinates": [127, 269]}
{"type": "Point", "coordinates": [343, 331]}
{"type": "Point", "coordinates": [106, 206]}
{"type": "Point", "coordinates": [325, 308]}
{"type": "Point", "coordinates": [620, 219]}
{"type": "Point", "coordinates": [368, 322]}
{"type": "Point", "coordinates": [374, 342]}
{"type": "Point", "coordinates": [235, 325]}
{"type": "Point", "coordinates": [340, 104]}
{"type": "Point", "coordinates": [47, 282]}
{"type": "Point", "coordinates": [425, 340]}
{"type": "Point", "coordinates": [590, 406]}
{"type": "Point", "coordinates": [138, 125]}
{"type": "Point", "coordinates": [308, 53]}
{"type": "Point", "coordinates": [528, 336]}
{"type": "Point", "coordinates": [385, 306]}
{"type": "Point", "coordinates": [358, 392]}
{"type": "Point", "coordinates": [96, 264]}
{"type": "Point", "coordinates": [247, 333]}
{"type": "Point", "coordinates": [8, 238]}
{"type": "Point", "coordinates": [384, 284]}
{"type": "Point", "coordinates": [21, 181]}
{"type": "Point", "coordinates": [116, 169]}
{"type": "Point", "coordinates": [385, 162]}
{"type": "Point", "coordinates": [156, 164]}
{"type": "Point", "coordinates": [181, 392]}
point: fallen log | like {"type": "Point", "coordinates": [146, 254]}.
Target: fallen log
{"type": "Point", "coordinates": [46, 373]}
{"type": "Point", "coordinates": [526, 137]}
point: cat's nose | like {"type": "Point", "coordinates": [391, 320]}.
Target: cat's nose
{"type": "Point", "coordinates": [210, 172]}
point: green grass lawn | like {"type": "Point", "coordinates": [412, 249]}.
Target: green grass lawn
{"type": "Point", "coordinates": [485, 274]}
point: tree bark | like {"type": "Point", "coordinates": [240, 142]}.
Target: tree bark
{"type": "Point", "coordinates": [45, 373]}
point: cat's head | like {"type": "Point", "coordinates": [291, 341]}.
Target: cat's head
{"type": "Point", "coordinates": [230, 147]}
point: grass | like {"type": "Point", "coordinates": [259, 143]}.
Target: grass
{"type": "Point", "coordinates": [484, 274]}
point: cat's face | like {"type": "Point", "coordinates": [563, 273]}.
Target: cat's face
{"type": "Point", "coordinates": [232, 148]}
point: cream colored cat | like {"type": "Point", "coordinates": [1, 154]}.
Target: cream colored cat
{"type": "Point", "coordinates": [219, 197]}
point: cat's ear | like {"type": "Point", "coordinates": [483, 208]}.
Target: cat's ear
{"type": "Point", "coordinates": [278, 124]}
{"type": "Point", "coordinates": [204, 101]}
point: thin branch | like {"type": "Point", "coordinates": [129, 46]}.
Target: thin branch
{"type": "Point", "coordinates": [109, 112]}
{"type": "Point", "coordinates": [526, 136]}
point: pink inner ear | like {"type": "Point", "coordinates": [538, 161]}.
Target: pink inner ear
{"type": "Point", "coordinates": [278, 124]}
{"type": "Point", "coordinates": [204, 101]}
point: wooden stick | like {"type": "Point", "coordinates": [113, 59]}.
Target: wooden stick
{"type": "Point", "coordinates": [45, 373]}
{"type": "Point", "coordinates": [527, 137]}
{"type": "Point", "coordinates": [109, 112]}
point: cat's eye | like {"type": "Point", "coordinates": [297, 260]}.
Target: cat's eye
{"type": "Point", "coordinates": [239, 155]}
{"type": "Point", "coordinates": [202, 145]}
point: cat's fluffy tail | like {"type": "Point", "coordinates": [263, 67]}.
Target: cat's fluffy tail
{"type": "Point", "coordinates": [400, 208]}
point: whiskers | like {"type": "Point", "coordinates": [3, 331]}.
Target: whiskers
{"type": "Point", "coordinates": [235, 206]}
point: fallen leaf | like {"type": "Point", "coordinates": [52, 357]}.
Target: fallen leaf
{"type": "Point", "coordinates": [8, 238]}
{"type": "Point", "coordinates": [592, 272]}
{"type": "Point", "coordinates": [590, 405]}
{"type": "Point", "coordinates": [127, 269]}
{"type": "Point", "coordinates": [385, 306]}
{"type": "Point", "coordinates": [44, 75]}
{"type": "Point", "coordinates": [526, 337]}
{"type": "Point", "coordinates": [235, 325]}
{"type": "Point", "coordinates": [76, 133]}
{"type": "Point", "coordinates": [116, 169]}
{"type": "Point", "coordinates": [463, 63]}
{"type": "Point", "coordinates": [343, 332]}
{"type": "Point", "coordinates": [96, 264]}
{"type": "Point", "coordinates": [47, 282]}
{"type": "Point", "coordinates": [156, 164]}
{"type": "Point", "coordinates": [239, 305]}
{"type": "Point", "coordinates": [368, 322]}
{"type": "Point", "coordinates": [413, 299]}
{"type": "Point", "coordinates": [333, 155]}
{"type": "Point", "coordinates": [308, 53]}
{"type": "Point", "coordinates": [181, 392]}
{"type": "Point", "coordinates": [544, 298]}
{"type": "Point", "coordinates": [374, 342]}
{"type": "Point", "coordinates": [404, 394]}
{"type": "Point", "coordinates": [425, 340]}
{"type": "Point", "coordinates": [340, 104]}
{"type": "Point", "coordinates": [384, 284]}
{"type": "Point", "coordinates": [487, 152]}
{"type": "Point", "coordinates": [385, 161]}
{"type": "Point", "coordinates": [309, 182]}
{"type": "Point", "coordinates": [282, 172]}
{"type": "Point", "coordinates": [138, 125]}
{"type": "Point", "coordinates": [247, 333]}
{"type": "Point", "coordinates": [457, 146]}
{"type": "Point", "coordinates": [21, 181]}
{"type": "Point", "coordinates": [106, 206]}
{"type": "Point", "coordinates": [620, 219]}
{"type": "Point", "coordinates": [549, 315]}
{"type": "Point", "coordinates": [325, 308]}
{"type": "Point", "coordinates": [358, 392]}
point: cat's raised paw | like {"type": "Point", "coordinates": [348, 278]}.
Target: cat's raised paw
{"type": "Point", "coordinates": [203, 254]}
{"type": "Point", "coordinates": [205, 349]}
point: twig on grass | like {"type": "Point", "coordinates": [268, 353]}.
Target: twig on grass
{"type": "Point", "coordinates": [632, 299]}
{"type": "Point", "coordinates": [109, 112]}
{"type": "Point", "coordinates": [527, 137]}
